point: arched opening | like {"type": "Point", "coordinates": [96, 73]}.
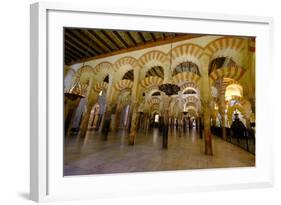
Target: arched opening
{"type": "Point", "coordinates": [106, 79]}
{"type": "Point", "coordinates": [233, 91]}
{"type": "Point", "coordinates": [157, 71]}
{"type": "Point", "coordinates": [221, 62]}
{"type": "Point", "coordinates": [187, 66]}
{"type": "Point", "coordinates": [157, 93]}
{"type": "Point", "coordinates": [189, 92]}
{"type": "Point", "coordinates": [129, 75]}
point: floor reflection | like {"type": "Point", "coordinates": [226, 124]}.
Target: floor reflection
{"type": "Point", "coordinates": [92, 155]}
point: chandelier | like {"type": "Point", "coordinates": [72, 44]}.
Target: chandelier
{"type": "Point", "coordinates": [169, 88]}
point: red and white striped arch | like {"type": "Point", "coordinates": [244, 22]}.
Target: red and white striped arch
{"type": "Point", "coordinates": [186, 52]}
{"type": "Point", "coordinates": [125, 61]}
{"type": "Point", "coordinates": [103, 67]}
{"type": "Point", "coordinates": [233, 72]}
{"type": "Point", "coordinates": [123, 84]}
{"type": "Point", "coordinates": [84, 74]}
{"type": "Point", "coordinates": [186, 76]}
{"type": "Point", "coordinates": [227, 47]}
{"type": "Point", "coordinates": [99, 86]}
{"type": "Point", "coordinates": [152, 59]}
{"type": "Point", "coordinates": [151, 81]}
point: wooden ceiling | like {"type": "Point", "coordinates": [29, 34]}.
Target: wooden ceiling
{"type": "Point", "coordinates": [86, 44]}
{"type": "Point", "coordinates": [186, 66]}
{"type": "Point", "coordinates": [155, 71]}
{"type": "Point", "coordinates": [129, 75]}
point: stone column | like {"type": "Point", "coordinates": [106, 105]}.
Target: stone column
{"type": "Point", "coordinates": [106, 121]}
{"type": "Point", "coordinates": [222, 113]}
{"type": "Point", "coordinates": [166, 120]}
{"type": "Point", "coordinates": [134, 124]}
{"type": "Point", "coordinates": [197, 124]}
{"type": "Point", "coordinates": [252, 73]}
{"type": "Point", "coordinates": [106, 118]}
{"type": "Point", "coordinates": [117, 119]}
{"type": "Point", "coordinates": [134, 109]}
{"type": "Point", "coordinates": [129, 118]}
{"type": "Point", "coordinates": [222, 108]}
{"type": "Point", "coordinates": [180, 118]}
{"type": "Point", "coordinates": [70, 107]}
{"type": "Point", "coordinates": [206, 104]}
{"type": "Point", "coordinates": [92, 99]}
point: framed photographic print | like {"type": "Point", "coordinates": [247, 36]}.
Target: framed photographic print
{"type": "Point", "coordinates": [127, 102]}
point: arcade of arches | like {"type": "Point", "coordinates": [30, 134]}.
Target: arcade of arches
{"type": "Point", "coordinates": [115, 114]}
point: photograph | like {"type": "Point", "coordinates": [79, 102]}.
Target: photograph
{"type": "Point", "coordinates": [146, 101]}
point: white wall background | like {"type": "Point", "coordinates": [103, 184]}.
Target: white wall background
{"type": "Point", "coordinates": [14, 84]}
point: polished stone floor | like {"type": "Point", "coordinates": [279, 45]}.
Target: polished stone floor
{"type": "Point", "coordinates": [92, 155]}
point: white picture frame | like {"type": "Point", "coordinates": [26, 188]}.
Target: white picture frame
{"type": "Point", "coordinates": [46, 180]}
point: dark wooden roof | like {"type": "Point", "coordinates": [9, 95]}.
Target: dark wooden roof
{"type": "Point", "coordinates": [155, 71]}
{"type": "Point", "coordinates": [129, 75]}
{"type": "Point", "coordinates": [85, 44]}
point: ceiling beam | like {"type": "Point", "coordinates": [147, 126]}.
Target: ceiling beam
{"type": "Point", "coordinates": [110, 39]}
{"type": "Point", "coordinates": [95, 41]}
{"type": "Point", "coordinates": [120, 39]}
{"type": "Point", "coordinates": [141, 37]}
{"type": "Point", "coordinates": [101, 40]}
{"type": "Point", "coordinates": [67, 59]}
{"type": "Point", "coordinates": [85, 36]}
{"type": "Point", "coordinates": [132, 38]}
{"type": "Point", "coordinates": [83, 39]}
{"type": "Point", "coordinates": [159, 71]}
{"type": "Point", "coordinates": [152, 36]}
{"type": "Point", "coordinates": [162, 36]}
{"type": "Point", "coordinates": [93, 53]}
{"type": "Point", "coordinates": [69, 52]}
{"type": "Point", "coordinates": [77, 47]}
{"type": "Point", "coordinates": [74, 50]}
